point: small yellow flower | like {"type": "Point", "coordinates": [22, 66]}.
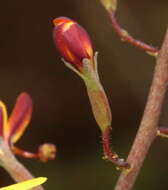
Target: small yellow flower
{"type": "Point", "coordinates": [26, 184]}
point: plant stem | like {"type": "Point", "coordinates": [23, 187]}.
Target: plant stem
{"type": "Point", "coordinates": [148, 126]}
{"type": "Point", "coordinates": [109, 154]}
{"type": "Point", "coordinates": [162, 132]}
{"type": "Point", "coordinates": [125, 36]}
{"type": "Point", "coordinates": [15, 169]}
{"type": "Point", "coordinates": [103, 116]}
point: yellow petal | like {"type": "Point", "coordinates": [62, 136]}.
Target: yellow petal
{"type": "Point", "coordinates": [26, 184]}
{"type": "Point", "coordinates": [3, 118]}
{"type": "Point", "coordinates": [20, 117]}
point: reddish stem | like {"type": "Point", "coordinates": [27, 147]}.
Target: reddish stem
{"type": "Point", "coordinates": [23, 153]}
{"type": "Point", "coordinates": [109, 154]}
{"type": "Point", "coordinates": [45, 152]}
{"type": "Point", "coordinates": [162, 131]}
{"type": "Point", "coordinates": [125, 36]}
{"type": "Point", "coordinates": [148, 127]}
{"type": "Point", "coordinates": [102, 113]}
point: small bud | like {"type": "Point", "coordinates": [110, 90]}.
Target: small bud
{"type": "Point", "coordinates": [72, 41]}
{"type": "Point", "coordinates": [47, 152]}
{"type": "Point", "coordinates": [110, 5]}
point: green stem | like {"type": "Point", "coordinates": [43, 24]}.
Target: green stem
{"type": "Point", "coordinates": [100, 106]}
{"type": "Point", "coordinates": [102, 113]}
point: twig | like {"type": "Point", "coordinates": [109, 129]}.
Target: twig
{"type": "Point", "coordinates": [148, 127]}
{"type": "Point", "coordinates": [125, 36]}
{"type": "Point", "coordinates": [25, 154]}
{"type": "Point", "coordinates": [110, 155]}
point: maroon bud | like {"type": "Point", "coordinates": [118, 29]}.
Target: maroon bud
{"type": "Point", "coordinates": [72, 41]}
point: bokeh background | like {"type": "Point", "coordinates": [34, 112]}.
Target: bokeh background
{"type": "Point", "coordinates": [62, 114]}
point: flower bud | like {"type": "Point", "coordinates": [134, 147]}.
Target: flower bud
{"type": "Point", "coordinates": [47, 152]}
{"type": "Point", "coordinates": [72, 41]}
{"type": "Point", "coordinates": [110, 5]}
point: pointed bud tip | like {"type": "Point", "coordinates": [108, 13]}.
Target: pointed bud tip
{"type": "Point", "coordinates": [60, 20]}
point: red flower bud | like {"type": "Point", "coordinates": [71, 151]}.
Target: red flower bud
{"type": "Point", "coordinates": [72, 41]}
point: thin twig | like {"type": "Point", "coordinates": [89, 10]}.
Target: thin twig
{"type": "Point", "coordinates": [25, 154]}
{"type": "Point", "coordinates": [148, 127]}
{"type": "Point", "coordinates": [110, 155]}
{"type": "Point", "coordinates": [125, 36]}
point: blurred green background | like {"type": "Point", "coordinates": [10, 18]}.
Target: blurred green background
{"type": "Point", "coordinates": [62, 114]}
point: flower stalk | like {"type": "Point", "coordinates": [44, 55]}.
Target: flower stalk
{"type": "Point", "coordinates": [15, 169]}
{"type": "Point", "coordinates": [101, 111]}
{"type": "Point", "coordinates": [45, 152]}
{"type": "Point", "coordinates": [122, 33]}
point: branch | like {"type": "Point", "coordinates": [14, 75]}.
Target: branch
{"type": "Point", "coordinates": [125, 36]}
{"type": "Point", "coordinates": [148, 126]}
{"type": "Point", "coordinates": [111, 8]}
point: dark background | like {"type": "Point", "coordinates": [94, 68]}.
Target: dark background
{"type": "Point", "coordinates": [62, 114]}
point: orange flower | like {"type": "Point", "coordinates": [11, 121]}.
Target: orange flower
{"type": "Point", "coordinates": [72, 41]}
{"type": "Point", "coordinates": [13, 128]}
